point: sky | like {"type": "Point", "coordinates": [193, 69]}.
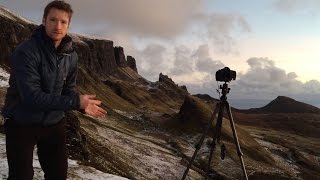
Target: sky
{"type": "Point", "coordinates": [271, 44]}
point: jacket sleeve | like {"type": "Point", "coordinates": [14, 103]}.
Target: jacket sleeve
{"type": "Point", "coordinates": [69, 87]}
{"type": "Point", "coordinates": [25, 67]}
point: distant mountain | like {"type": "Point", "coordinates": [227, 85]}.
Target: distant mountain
{"type": "Point", "coordinates": [283, 114]}
{"type": "Point", "coordinates": [284, 104]}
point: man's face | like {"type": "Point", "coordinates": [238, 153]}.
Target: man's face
{"type": "Point", "coordinates": [56, 24]}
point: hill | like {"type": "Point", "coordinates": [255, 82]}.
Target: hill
{"type": "Point", "coordinates": [284, 104]}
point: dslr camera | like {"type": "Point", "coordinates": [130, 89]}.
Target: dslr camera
{"type": "Point", "coordinates": [225, 75]}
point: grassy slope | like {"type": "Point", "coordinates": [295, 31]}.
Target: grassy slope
{"type": "Point", "coordinates": [302, 149]}
{"type": "Point", "coordinates": [88, 84]}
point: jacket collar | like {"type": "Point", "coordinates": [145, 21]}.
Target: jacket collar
{"type": "Point", "coordinates": [65, 46]}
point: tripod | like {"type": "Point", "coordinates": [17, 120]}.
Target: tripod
{"type": "Point", "coordinates": [223, 103]}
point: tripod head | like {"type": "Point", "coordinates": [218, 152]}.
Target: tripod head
{"type": "Point", "coordinates": [225, 90]}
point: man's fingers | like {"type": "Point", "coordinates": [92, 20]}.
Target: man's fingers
{"type": "Point", "coordinates": [95, 102]}
{"type": "Point", "coordinates": [101, 115]}
{"type": "Point", "coordinates": [95, 110]}
{"type": "Point", "coordinates": [101, 110]}
{"type": "Point", "coordinates": [91, 96]}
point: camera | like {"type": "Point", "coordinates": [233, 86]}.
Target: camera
{"type": "Point", "coordinates": [225, 75]}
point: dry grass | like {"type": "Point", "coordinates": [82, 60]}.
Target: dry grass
{"type": "Point", "coordinates": [303, 150]}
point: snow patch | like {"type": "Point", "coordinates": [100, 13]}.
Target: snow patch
{"type": "Point", "coordinates": [75, 171]}
{"type": "Point", "coordinates": [135, 117]}
{"type": "Point", "coordinates": [90, 173]}
{"type": "Point", "coordinates": [284, 162]}
{"type": "Point", "coordinates": [80, 38]}
{"type": "Point", "coordinates": [142, 149]}
{"type": "Point", "coordinates": [4, 78]}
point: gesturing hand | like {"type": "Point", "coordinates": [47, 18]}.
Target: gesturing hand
{"type": "Point", "coordinates": [91, 106]}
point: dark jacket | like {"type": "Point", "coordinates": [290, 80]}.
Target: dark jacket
{"type": "Point", "coordinates": [42, 81]}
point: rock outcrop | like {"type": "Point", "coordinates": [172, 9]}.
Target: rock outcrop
{"type": "Point", "coordinates": [170, 87]}
{"type": "Point", "coordinates": [162, 96]}
{"type": "Point", "coordinates": [120, 57]}
{"type": "Point", "coordinates": [95, 55]}
{"type": "Point", "coordinates": [194, 112]}
{"type": "Point", "coordinates": [132, 63]}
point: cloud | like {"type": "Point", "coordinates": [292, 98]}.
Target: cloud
{"type": "Point", "coordinates": [312, 87]}
{"type": "Point", "coordinates": [263, 70]}
{"type": "Point", "coordinates": [220, 28]}
{"type": "Point", "coordinates": [263, 80]}
{"type": "Point", "coordinates": [152, 61]}
{"type": "Point", "coordinates": [194, 66]}
{"type": "Point", "coordinates": [182, 64]}
{"type": "Point", "coordinates": [291, 6]}
{"type": "Point", "coordinates": [286, 5]}
{"type": "Point", "coordinates": [165, 18]}
{"type": "Point", "coordinates": [204, 62]}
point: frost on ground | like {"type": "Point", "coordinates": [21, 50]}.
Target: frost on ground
{"type": "Point", "coordinates": [147, 154]}
{"type": "Point", "coordinates": [286, 163]}
{"type": "Point", "coordinates": [4, 78]}
{"type": "Point", "coordinates": [75, 171]}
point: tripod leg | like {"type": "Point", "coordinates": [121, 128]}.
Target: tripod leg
{"type": "Point", "coordinates": [198, 146]}
{"type": "Point", "coordinates": [216, 136]}
{"type": "Point", "coordinates": [236, 141]}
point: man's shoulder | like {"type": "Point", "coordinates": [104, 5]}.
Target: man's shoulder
{"type": "Point", "coordinates": [26, 50]}
{"type": "Point", "coordinates": [27, 46]}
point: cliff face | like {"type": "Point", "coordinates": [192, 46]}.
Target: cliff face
{"type": "Point", "coordinates": [120, 57]}
{"type": "Point", "coordinates": [132, 63]}
{"type": "Point", "coordinates": [96, 55]}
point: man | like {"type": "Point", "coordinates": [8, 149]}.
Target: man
{"type": "Point", "coordinates": [42, 87]}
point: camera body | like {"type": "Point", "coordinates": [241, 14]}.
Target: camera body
{"type": "Point", "coordinates": [225, 75]}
